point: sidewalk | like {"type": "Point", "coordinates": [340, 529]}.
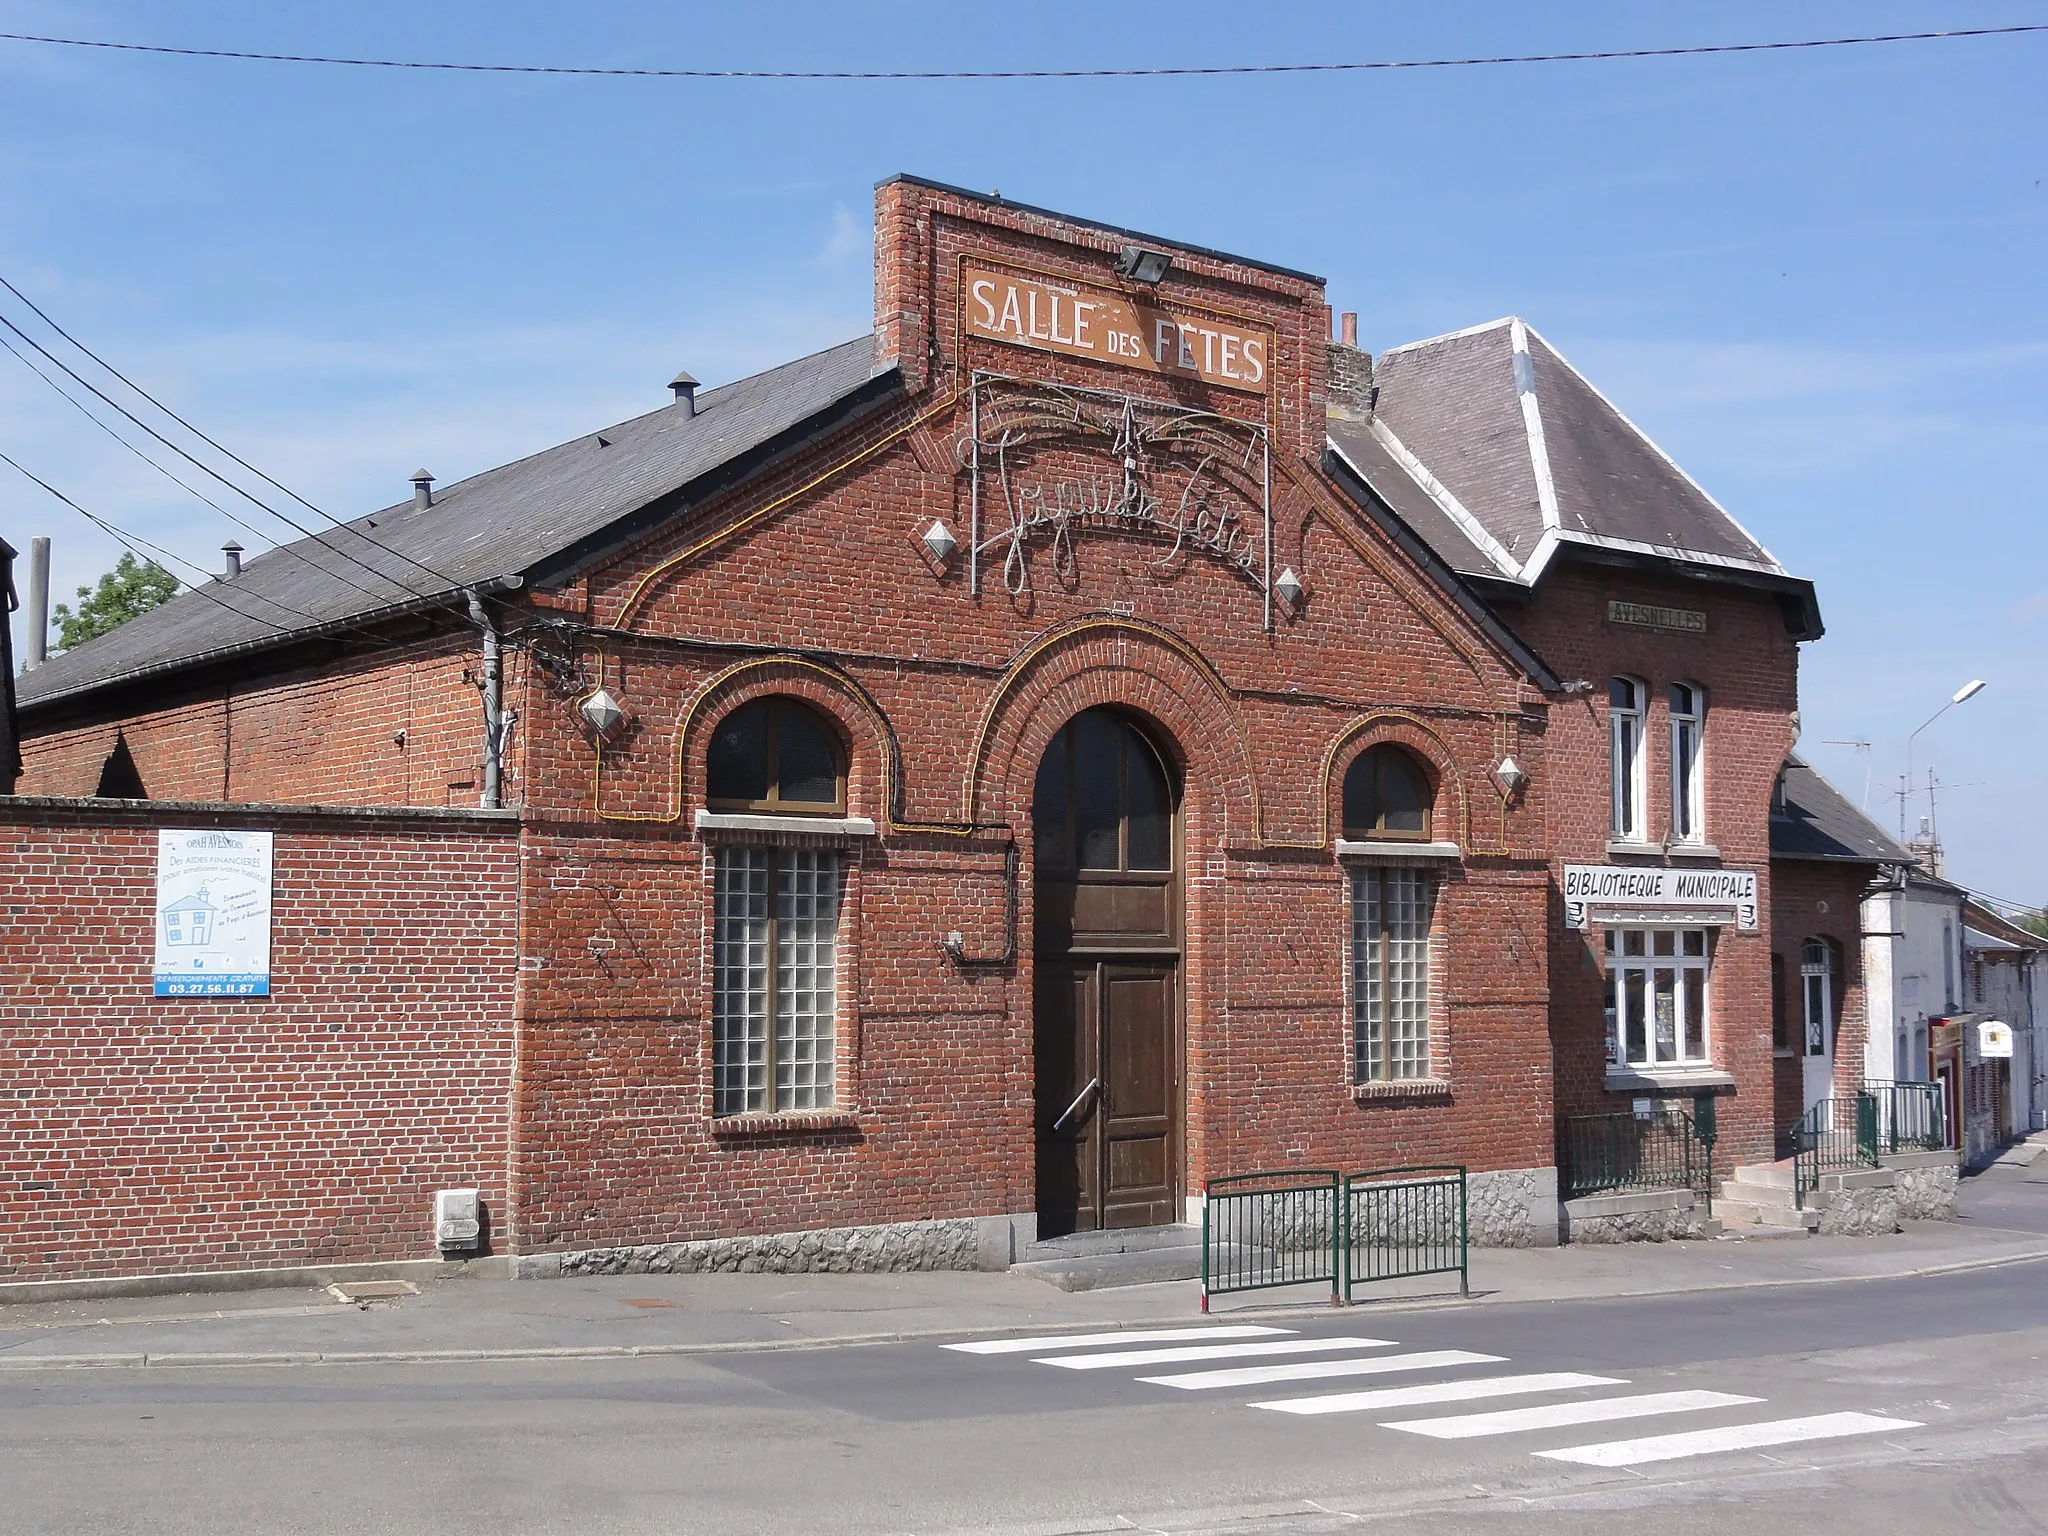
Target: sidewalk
{"type": "Point", "coordinates": [627, 1315]}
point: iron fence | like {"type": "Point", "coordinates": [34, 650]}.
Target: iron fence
{"type": "Point", "coordinates": [1400, 1222]}
{"type": "Point", "coordinates": [1611, 1154]}
{"type": "Point", "coordinates": [1261, 1230]}
{"type": "Point", "coordinates": [1834, 1134]}
{"type": "Point", "coordinates": [1911, 1117]}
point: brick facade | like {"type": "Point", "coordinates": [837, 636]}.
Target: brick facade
{"type": "Point", "coordinates": [142, 1134]}
{"type": "Point", "coordinates": [808, 580]}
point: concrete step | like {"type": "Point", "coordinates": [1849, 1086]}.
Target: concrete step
{"type": "Point", "coordinates": [1745, 1211]}
{"type": "Point", "coordinates": [1115, 1240]}
{"type": "Point", "coordinates": [1100, 1271]}
{"type": "Point", "coordinates": [1776, 1175]}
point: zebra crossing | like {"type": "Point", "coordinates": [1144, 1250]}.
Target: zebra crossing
{"type": "Point", "coordinates": [1253, 1356]}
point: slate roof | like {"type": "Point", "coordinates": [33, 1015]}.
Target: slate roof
{"type": "Point", "coordinates": [510, 521]}
{"type": "Point", "coordinates": [1811, 819]}
{"type": "Point", "coordinates": [1502, 455]}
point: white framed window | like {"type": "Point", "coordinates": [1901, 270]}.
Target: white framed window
{"type": "Point", "coordinates": [1657, 981]}
{"type": "Point", "coordinates": [1817, 996]}
{"type": "Point", "coordinates": [1688, 788]}
{"type": "Point", "coordinates": [774, 988]}
{"type": "Point", "coordinates": [1625, 702]}
{"type": "Point", "coordinates": [1390, 920]}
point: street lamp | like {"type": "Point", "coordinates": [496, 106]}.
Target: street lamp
{"type": "Point", "coordinates": [1969, 690]}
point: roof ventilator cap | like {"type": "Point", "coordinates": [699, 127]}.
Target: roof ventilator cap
{"type": "Point", "coordinates": [685, 389]}
{"type": "Point", "coordinates": [233, 553]}
{"type": "Point", "coordinates": [422, 488]}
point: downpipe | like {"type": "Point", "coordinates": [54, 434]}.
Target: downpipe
{"type": "Point", "coordinates": [493, 796]}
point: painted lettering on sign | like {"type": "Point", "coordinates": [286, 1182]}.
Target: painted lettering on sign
{"type": "Point", "coordinates": [1651, 889]}
{"type": "Point", "coordinates": [1648, 616]}
{"type": "Point", "coordinates": [1028, 310]}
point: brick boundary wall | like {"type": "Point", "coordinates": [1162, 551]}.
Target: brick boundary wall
{"type": "Point", "coordinates": [144, 1135]}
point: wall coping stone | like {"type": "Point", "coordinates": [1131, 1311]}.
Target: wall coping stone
{"type": "Point", "coordinates": [1628, 1203]}
{"type": "Point", "coordinates": [27, 810]}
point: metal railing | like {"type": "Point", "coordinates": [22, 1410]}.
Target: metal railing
{"type": "Point", "coordinates": [1911, 1117]}
{"type": "Point", "coordinates": [1400, 1222]}
{"type": "Point", "coordinates": [1316, 1226]}
{"type": "Point", "coordinates": [1261, 1230]}
{"type": "Point", "coordinates": [1833, 1135]}
{"type": "Point", "coordinates": [1609, 1154]}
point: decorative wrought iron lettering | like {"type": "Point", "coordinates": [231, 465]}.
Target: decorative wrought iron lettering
{"type": "Point", "coordinates": [1192, 480]}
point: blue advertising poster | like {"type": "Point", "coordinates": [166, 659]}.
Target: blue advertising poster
{"type": "Point", "coordinates": [212, 913]}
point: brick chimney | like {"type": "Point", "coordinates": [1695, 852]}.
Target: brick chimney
{"type": "Point", "coordinates": [903, 233]}
{"type": "Point", "coordinates": [1349, 393]}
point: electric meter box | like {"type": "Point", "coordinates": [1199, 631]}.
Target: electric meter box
{"type": "Point", "coordinates": [458, 1220]}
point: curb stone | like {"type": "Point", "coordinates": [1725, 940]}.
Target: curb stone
{"type": "Point", "coordinates": [210, 1361]}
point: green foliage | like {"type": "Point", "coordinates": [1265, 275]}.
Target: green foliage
{"type": "Point", "coordinates": [131, 587]}
{"type": "Point", "coordinates": [2034, 922]}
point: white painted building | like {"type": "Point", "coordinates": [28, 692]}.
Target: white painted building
{"type": "Point", "coordinates": [2006, 979]}
{"type": "Point", "coordinates": [1912, 972]}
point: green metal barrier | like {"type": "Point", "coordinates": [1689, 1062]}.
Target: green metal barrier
{"type": "Point", "coordinates": [1911, 1117]}
{"type": "Point", "coordinates": [1602, 1154]}
{"type": "Point", "coordinates": [1833, 1135]}
{"type": "Point", "coordinates": [1261, 1230]}
{"type": "Point", "coordinates": [1400, 1222]}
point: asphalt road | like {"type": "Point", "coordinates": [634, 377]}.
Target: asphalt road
{"type": "Point", "coordinates": [1945, 1377]}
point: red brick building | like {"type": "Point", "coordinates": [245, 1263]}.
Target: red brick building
{"type": "Point", "coordinates": [979, 781]}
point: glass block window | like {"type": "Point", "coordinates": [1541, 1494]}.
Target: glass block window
{"type": "Point", "coordinates": [774, 991]}
{"type": "Point", "coordinates": [1390, 918]}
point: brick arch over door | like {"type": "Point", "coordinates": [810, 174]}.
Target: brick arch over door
{"type": "Point", "coordinates": [1138, 667]}
{"type": "Point", "coordinates": [1452, 812]}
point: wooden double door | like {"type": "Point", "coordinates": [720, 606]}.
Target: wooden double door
{"type": "Point", "coordinates": [1109, 1094]}
{"type": "Point", "coordinates": [1106, 1005]}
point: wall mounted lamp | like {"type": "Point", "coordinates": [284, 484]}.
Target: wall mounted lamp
{"type": "Point", "coordinates": [1142, 266]}
{"type": "Point", "coordinates": [1288, 588]}
{"type": "Point", "coordinates": [1511, 776]}
{"type": "Point", "coordinates": [939, 542]}
{"type": "Point", "coordinates": [605, 715]}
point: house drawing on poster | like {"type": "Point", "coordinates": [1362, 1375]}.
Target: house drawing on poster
{"type": "Point", "coordinates": [189, 920]}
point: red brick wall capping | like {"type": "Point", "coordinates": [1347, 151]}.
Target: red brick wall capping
{"type": "Point", "coordinates": [89, 810]}
{"type": "Point", "coordinates": [837, 1125]}
{"type": "Point", "coordinates": [1450, 816]}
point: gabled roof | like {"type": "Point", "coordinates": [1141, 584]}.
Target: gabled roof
{"type": "Point", "coordinates": [527, 519]}
{"type": "Point", "coordinates": [1811, 819]}
{"type": "Point", "coordinates": [1504, 457]}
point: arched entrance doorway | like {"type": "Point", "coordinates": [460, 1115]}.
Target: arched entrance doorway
{"type": "Point", "coordinates": [1106, 1004]}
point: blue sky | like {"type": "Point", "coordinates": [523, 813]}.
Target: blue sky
{"type": "Point", "coordinates": [1816, 278]}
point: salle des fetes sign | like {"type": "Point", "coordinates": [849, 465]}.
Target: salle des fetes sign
{"type": "Point", "coordinates": [1050, 315]}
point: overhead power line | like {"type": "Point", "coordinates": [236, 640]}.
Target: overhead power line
{"type": "Point", "coordinates": [196, 494]}
{"type": "Point", "coordinates": [1025, 74]}
{"type": "Point", "coordinates": [128, 541]}
{"type": "Point", "coordinates": [218, 447]}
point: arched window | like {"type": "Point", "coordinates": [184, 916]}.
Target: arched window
{"type": "Point", "coordinates": [775, 755]}
{"type": "Point", "coordinates": [1817, 995]}
{"type": "Point", "coordinates": [1386, 794]}
{"type": "Point", "coordinates": [1103, 800]}
{"type": "Point", "coordinates": [1626, 699]}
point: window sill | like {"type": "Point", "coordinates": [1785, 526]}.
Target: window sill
{"type": "Point", "coordinates": [1694, 851]}
{"type": "Point", "coordinates": [1402, 1088]}
{"type": "Point", "coordinates": [1668, 1079]}
{"type": "Point", "coordinates": [1623, 849]}
{"type": "Point", "coordinates": [803, 1122]}
{"type": "Point", "coordinates": [1393, 848]}
{"type": "Point", "coordinates": [808, 826]}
